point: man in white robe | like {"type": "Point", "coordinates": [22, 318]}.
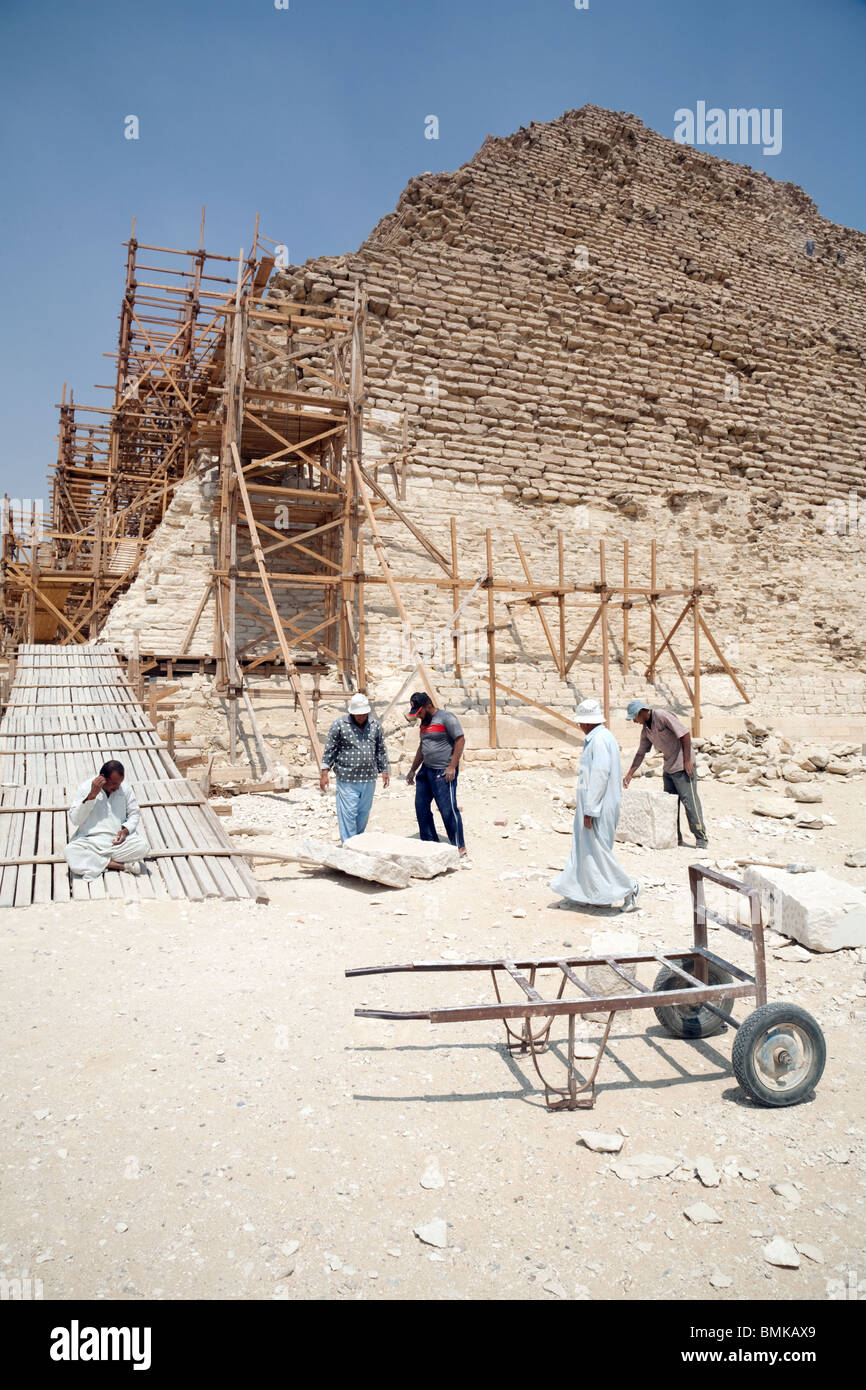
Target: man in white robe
{"type": "Point", "coordinates": [593, 875]}
{"type": "Point", "coordinates": [105, 817]}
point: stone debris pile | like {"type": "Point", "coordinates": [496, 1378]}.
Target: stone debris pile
{"type": "Point", "coordinates": [795, 773]}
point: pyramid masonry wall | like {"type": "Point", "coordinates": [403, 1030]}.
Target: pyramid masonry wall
{"type": "Point", "coordinates": [573, 310]}
{"type": "Point", "coordinates": [783, 598]}
{"type": "Point", "coordinates": [595, 329]}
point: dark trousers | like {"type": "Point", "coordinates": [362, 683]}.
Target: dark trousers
{"type": "Point", "coordinates": [431, 786]}
{"type": "Point", "coordinates": [686, 789]}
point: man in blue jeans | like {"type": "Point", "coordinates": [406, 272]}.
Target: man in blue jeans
{"type": "Point", "coordinates": [436, 764]}
{"type": "Point", "coordinates": [356, 750]}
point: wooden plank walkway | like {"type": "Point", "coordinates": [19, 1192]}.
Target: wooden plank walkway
{"type": "Point", "coordinates": [70, 710]}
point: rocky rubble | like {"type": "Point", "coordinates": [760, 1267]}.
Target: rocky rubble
{"type": "Point", "coordinates": [796, 774]}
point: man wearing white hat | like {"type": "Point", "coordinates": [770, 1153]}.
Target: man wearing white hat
{"type": "Point", "coordinates": [355, 749]}
{"type": "Point", "coordinates": [593, 874]}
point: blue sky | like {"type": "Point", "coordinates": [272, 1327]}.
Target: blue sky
{"type": "Point", "coordinates": [314, 116]}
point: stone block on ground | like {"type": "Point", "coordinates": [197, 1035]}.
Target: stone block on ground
{"type": "Point", "coordinates": [420, 858]}
{"type": "Point", "coordinates": [375, 867]}
{"type": "Point", "coordinates": [648, 818]}
{"type": "Point", "coordinates": [819, 911]}
{"type": "Point", "coordinates": [774, 807]}
{"type": "Point", "coordinates": [604, 980]}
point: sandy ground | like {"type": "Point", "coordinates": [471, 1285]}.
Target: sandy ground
{"type": "Point", "coordinates": [190, 1108]}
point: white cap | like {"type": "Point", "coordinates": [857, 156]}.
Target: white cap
{"type": "Point", "coordinates": [359, 704]}
{"type": "Point", "coordinates": [589, 712]}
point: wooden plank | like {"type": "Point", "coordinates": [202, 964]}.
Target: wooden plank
{"type": "Point", "coordinates": [61, 887]}
{"type": "Point", "coordinates": [50, 741]}
{"type": "Point", "coordinates": [42, 879]}
{"type": "Point", "coordinates": [9, 839]}
{"type": "Point", "coordinates": [24, 880]}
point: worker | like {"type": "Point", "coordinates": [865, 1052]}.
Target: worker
{"type": "Point", "coordinates": [355, 749]}
{"type": "Point", "coordinates": [105, 816]}
{"type": "Point", "coordinates": [593, 874]}
{"type": "Point", "coordinates": [662, 730]}
{"type": "Point", "coordinates": [435, 769]}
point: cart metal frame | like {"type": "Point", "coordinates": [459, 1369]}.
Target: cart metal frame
{"type": "Point", "coordinates": [697, 989]}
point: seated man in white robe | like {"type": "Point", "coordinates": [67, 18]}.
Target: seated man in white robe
{"type": "Point", "coordinates": [105, 818]}
{"type": "Point", "coordinates": [593, 873]}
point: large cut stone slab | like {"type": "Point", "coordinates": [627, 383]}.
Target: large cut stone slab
{"type": "Point", "coordinates": [648, 818]}
{"type": "Point", "coordinates": [817, 910]}
{"type": "Point", "coordinates": [376, 867]}
{"type": "Point", "coordinates": [420, 858]}
{"type": "Point", "coordinates": [604, 980]}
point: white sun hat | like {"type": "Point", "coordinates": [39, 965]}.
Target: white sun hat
{"type": "Point", "coordinates": [590, 712]}
{"type": "Point", "coordinates": [359, 704]}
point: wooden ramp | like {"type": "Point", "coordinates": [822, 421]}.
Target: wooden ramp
{"type": "Point", "coordinates": [70, 710]}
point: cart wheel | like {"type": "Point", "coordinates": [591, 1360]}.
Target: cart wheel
{"type": "Point", "coordinates": [779, 1054]}
{"type": "Point", "coordinates": [692, 1020]}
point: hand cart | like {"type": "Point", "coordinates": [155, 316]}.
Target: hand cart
{"type": "Point", "coordinates": [779, 1050]}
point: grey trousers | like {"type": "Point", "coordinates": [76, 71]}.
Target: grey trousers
{"type": "Point", "coordinates": [686, 788]}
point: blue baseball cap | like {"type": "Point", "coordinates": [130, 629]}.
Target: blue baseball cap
{"type": "Point", "coordinates": [635, 707]}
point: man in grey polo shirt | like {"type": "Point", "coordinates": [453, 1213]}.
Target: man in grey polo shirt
{"type": "Point", "coordinates": [436, 763]}
{"type": "Point", "coordinates": [661, 729]}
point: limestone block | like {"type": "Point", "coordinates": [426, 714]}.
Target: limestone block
{"type": "Point", "coordinates": [420, 858]}
{"type": "Point", "coordinates": [816, 909]}
{"type": "Point", "coordinates": [773, 806]}
{"type": "Point", "coordinates": [800, 793]}
{"type": "Point", "coordinates": [377, 868]}
{"type": "Point", "coordinates": [604, 980]}
{"type": "Point", "coordinates": [610, 943]}
{"type": "Point", "coordinates": [792, 773]}
{"type": "Point", "coordinates": [648, 818]}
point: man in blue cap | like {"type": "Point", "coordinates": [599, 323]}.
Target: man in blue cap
{"type": "Point", "coordinates": [661, 729]}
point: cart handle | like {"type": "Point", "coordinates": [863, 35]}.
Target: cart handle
{"type": "Point", "coordinates": [702, 913]}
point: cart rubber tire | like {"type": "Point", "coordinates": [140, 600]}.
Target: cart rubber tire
{"type": "Point", "coordinates": [779, 1054]}
{"type": "Point", "coordinates": [693, 1021]}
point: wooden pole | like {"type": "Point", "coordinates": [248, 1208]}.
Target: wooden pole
{"type": "Point", "coordinates": [605, 650]}
{"type": "Point", "coordinates": [291, 670]}
{"type": "Point", "coordinates": [652, 662]}
{"type": "Point", "coordinates": [545, 709]}
{"type": "Point", "coordinates": [96, 566]}
{"type": "Point", "coordinates": [133, 671]}
{"type": "Point", "coordinates": [719, 653]}
{"type": "Point", "coordinates": [196, 618]}
{"type": "Point", "coordinates": [389, 580]}
{"type": "Point", "coordinates": [455, 596]}
{"type": "Point", "coordinates": [34, 587]}
{"type": "Point", "coordinates": [584, 639]}
{"type": "Point", "coordinates": [548, 634]}
{"type": "Point", "coordinates": [491, 647]}
{"type": "Point", "coordinates": [404, 462]}
{"type": "Point", "coordinates": [625, 608]}
{"type": "Point", "coordinates": [696, 674]}
{"type": "Point", "coordinates": [362, 650]}
{"type": "Point", "coordinates": [561, 604]}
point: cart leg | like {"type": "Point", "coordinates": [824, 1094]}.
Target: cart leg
{"type": "Point", "coordinates": [572, 1074]}
{"type": "Point", "coordinates": [573, 1098]}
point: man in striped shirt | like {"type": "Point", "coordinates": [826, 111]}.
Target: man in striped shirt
{"type": "Point", "coordinates": [436, 764]}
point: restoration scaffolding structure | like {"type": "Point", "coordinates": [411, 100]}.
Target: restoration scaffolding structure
{"type": "Point", "coordinates": [117, 465]}
{"type": "Point", "coordinates": [217, 366]}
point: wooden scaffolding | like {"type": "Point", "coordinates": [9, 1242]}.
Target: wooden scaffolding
{"type": "Point", "coordinates": [214, 361]}
{"type": "Point", "coordinates": [117, 465]}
